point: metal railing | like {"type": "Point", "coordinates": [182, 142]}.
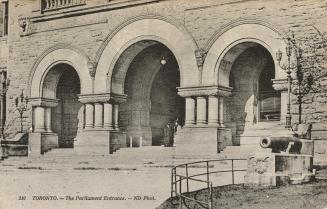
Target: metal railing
{"type": "Point", "coordinates": [48, 5]}
{"type": "Point", "coordinates": [178, 179]}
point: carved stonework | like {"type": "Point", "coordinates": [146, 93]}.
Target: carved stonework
{"type": "Point", "coordinates": [258, 165]}
{"type": "Point", "coordinates": [91, 67]}
{"type": "Point", "coordinates": [102, 98]}
{"type": "Point", "coordinates": [280, 84]}
{"type": "Point", "coordinates": [200, 56]}
{"type": "Point", "coordinates": [24, 24]}
{"type": "Point", "coordinates": [205, 91]}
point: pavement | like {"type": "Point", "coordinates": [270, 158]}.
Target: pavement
{"type": "Point", "coordinates": [72, 189]}
{"type": "Point", "coordinates": [122, 181]}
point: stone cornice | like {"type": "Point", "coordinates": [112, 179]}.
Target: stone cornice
{"type": "Point", "coordinates": [44, 102]}
{"type": "Point", "coordinates": [102, 98]}
{"type": "Point", "coordinates": [280, 84]}
{"type": "Point", "coordinates": [204, 91]}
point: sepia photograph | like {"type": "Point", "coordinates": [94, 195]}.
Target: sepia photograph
{"type": "Point", "coordinates": [163, 104]}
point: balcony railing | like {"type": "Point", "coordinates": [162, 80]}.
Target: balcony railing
{"type": "Point", "coordinates": [49, 5]}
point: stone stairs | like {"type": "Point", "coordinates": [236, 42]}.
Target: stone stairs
{"type": "Point", "coordinates": [140, 158]}
{"type": "Point", "coordinates": [137, 158]}
{"type": "Point", "coordinates": [253, 133]}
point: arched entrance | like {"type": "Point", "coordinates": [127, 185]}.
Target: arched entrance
{"type": "Point", "coordinates": [151, 87]}
{"type": "Point", "coordinates": [58, 75]}
{"type": "Point", "coordinates": [253, 99]}
{"type": "Point", "coordinates": [241, 55]}
{"type": "Point", "coordinates": [118, 54]}
{"type": "Point", "coordinates": [65, 114]}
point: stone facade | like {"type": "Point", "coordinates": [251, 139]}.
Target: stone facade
{"type": "Point", "coordinates": [209, 41]}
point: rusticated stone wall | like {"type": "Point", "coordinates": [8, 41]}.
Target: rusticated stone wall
{"type": "Point", "coordinates": [203, 20]}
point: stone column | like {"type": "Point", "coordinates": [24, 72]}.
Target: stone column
{"type": "Point", "coordinates": [107, 123]}
{"type": "Point", "coordinates": [48, 119]}
{"type": "Point", "coordinates": [98, 115]}
{"type": "Point", "coordinates": [201, 110]}
{"type": "Point", "coordinates": [281, 86]}
{"type": "Point", "coordinates": [116, 114]}
{"type": "Point", "coordinates": [39, 116]}
{"type": "Point", "coordinates": [221, 111]}
{"type": "Point", "coordinates": [283, 107]}
{"type": "Point", "coordinates": [189, 111]}
{"type": "Point", "coordinates": [89, 117]}
{"type": "Point", "coordinates": [213, 102]}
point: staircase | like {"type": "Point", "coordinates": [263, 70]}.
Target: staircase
{"type": "Point", "coordinates": [142, 158]}
{"type": "Point", "coordinates": [253, 133]}
{"type": "Point", "coordinates": [139, 158]}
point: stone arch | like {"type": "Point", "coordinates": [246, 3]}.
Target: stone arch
{"type": "Point", "coordinates": [152, 29]}
{"type": "Point", "coordinates": [219, 58]}
{"type": "Point", "coordinates": [43, 83]}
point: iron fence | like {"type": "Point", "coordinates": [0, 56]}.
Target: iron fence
{"type": "Point", "coordinates": [178, 180]}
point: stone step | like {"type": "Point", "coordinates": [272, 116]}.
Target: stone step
{"type": "Point", "coordinates": [239, 151]}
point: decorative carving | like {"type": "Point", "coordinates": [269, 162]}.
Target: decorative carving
{"type": "Point", "coordinates": [200, 55]}
{"type": "Point", "coordinates": [280, 84]}
{"type": "Point", "coordinates": [24, 24]}
{"type": "Point", "coordinates": [259, 164]}
{"type": "Point", "coordinates": [92, 69]}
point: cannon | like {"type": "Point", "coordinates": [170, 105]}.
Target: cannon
{"type": "Point", "coordinates": [282, 144]}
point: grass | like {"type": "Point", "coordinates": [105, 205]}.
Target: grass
{"type": "Point", "coordinates": [305, 196]}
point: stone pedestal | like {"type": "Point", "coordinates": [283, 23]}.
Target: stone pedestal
{"type": "Point", "coordinates": [99, 142]}
{"type": "Point", "coordinates": [92, 142]}
{"type": "Point", "coordinates": [41, 142]}
{"type": "Point", "coordinates": [35, 144]}
{"type": "Point", "coordinates": [274, 169]}
{"type": "Point", "coordinates": [200, 141]}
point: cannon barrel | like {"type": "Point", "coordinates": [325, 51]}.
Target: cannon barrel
{"type": "Point", "coordinates": [278, 144]}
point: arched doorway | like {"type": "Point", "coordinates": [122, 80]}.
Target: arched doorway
{"type": "Point", "coordinates": [151, 87]}
{"type": "Point", "coordinates": [61, 69]}
{"type": "Point", "coordinates": [253, 99]}
{"type": "Point", "coordinates": [65, 114]}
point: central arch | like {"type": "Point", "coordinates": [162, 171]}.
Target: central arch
{"type": "Point", "coordinates": [139, 29]}
{"type": "Point", "coordinates": [148, 73]}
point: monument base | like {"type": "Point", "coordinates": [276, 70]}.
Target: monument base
{"type": "Point", "coordinates": [201, 141]}
{"type": "Point", "coordinates": [274, 169]}
{"type": "Point", "coordinates": [99, 142]}
{"type": "Point", "coordinates": [40, 143]}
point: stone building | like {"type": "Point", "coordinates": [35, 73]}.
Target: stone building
{"type": "Point", "coordinates": [97, 72]}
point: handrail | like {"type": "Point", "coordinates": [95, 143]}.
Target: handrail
{"type": "Point", "coordinates": [178, 179]}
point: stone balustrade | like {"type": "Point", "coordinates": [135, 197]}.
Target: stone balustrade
{"type": "Point", "coordinates": [47, 5]}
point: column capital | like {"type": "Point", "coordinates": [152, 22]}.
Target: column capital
{"type": "Point", "coordinates": [102, 98]}
{"type": "Point", "coordinates": [204, 91]}
{"type": "Point", "coordinates": [280, 84]}
{"type": "Point", "coordinates": [44, 102]}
